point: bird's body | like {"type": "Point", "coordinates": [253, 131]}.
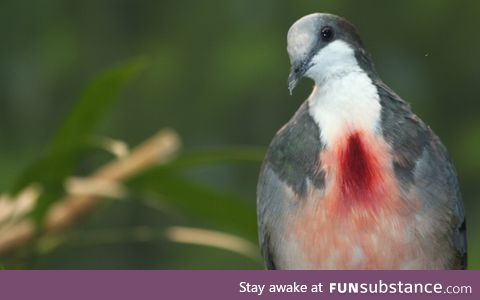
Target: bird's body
{"type": "Point", "coordinates": [355, 180]}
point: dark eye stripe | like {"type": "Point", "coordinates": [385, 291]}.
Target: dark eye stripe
{"type": "Point", "coordinates": [327, 33]}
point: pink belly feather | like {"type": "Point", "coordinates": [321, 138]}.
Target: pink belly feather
{"type": "Point", "coordinates": [360, 220]}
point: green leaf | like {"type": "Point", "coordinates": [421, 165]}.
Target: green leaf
{"type": "Point", "coordinates": [94, 103]}
{"type": "Point", "coordinates": [211, 157]}
{"type": "Point", "coordinates": [221, 211]}
{"type": "Point", "coordinates": [237, 154]}
{"type": "Point", "coordinates": [71, 142]}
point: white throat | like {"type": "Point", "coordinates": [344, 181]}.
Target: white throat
{"type": "Point", "coordinates": [344, 98]}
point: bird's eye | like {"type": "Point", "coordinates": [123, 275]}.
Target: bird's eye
{"type": "Point", "coordinates": [327, 33]}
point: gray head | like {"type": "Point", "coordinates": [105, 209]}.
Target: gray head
{"type": "Point", "coordinates": [321, 44]}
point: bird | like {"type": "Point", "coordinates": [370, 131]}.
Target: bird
{"type": "Point", "coordinates": [355, 180]}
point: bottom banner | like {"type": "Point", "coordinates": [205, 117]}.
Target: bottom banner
{"type": "Point", "coordinates": [137, 285]}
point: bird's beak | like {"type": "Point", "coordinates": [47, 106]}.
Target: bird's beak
{"type": "Point", "coordinates": [297, 73]}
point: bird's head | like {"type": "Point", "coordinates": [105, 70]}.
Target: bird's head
{"type": "Point", "coordinates": [319, 45]}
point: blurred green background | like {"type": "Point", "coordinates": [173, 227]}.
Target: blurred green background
{"type": "Point", "coordinates": [215, 71]}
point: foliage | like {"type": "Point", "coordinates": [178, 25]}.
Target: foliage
{"type": "Point", "coordinates": [72, 140]}
{"type": "Point", "coordinates": [73, 144]}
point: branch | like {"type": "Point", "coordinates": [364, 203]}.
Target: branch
{"type": "Point", "coordinates": [84, 194]}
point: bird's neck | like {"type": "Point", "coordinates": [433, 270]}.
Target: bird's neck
{"type": "Point", "coordinates": [343, 103]}
{"type": "Point", "coordinates": [356, 159]}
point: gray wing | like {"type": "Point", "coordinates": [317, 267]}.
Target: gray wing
{"type": "Point", "coordinates": [270, 200]}
{"type": "Point", "coordinates": [289, 168]}
{"type": "Point", "coordinates": [425, 171]}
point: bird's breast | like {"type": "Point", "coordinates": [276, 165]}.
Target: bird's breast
{"type": "Point", "coordinates": [359, 174]}
{"type": "Point", "coordinates": [359, 220]}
